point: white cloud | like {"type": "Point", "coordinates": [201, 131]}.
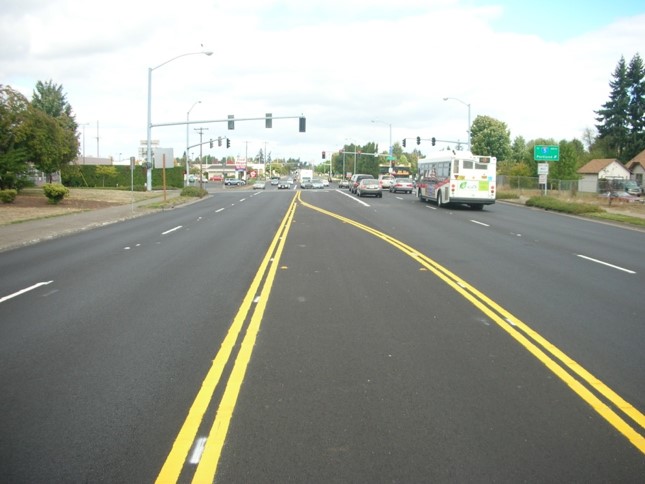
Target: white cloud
{"type": "Point", "coordinates": [341, 64]}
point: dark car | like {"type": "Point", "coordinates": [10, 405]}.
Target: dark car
{"type": "Point", "coordinates": [355, 180]}
{"type": "Point", "coordinates": [369, 186]}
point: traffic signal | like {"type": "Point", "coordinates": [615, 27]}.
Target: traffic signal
{"type": "Point", "coordinates": [323, 155]}
{"type": "Point", "coordinates": [433, 141]}
{"type": "Point", "coordinates": [231, 122]}
{"type": "Point", "coordinates": [404, 142]}
{"type": "Point", "coordinates": [302, 124]}
{"type": "Point", "coordinates": [219, 141]}
{"type": "Point", "coordinates": [228, 142]}
{"type": "Point", "coordinates": [211, 143]}
{"type": "Point", "coordinates": [418, 140]}
{"type": "Point", "coordinates": [268, 121]}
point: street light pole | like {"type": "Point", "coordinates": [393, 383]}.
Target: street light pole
{"type": "Point", "coordinates": [470, 148]}
{"type": "Point", "coordinates": [187, 142]}
{"type": "Point", "coordinates": [149, 124]}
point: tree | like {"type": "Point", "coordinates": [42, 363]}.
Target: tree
{"type": "Point", "coordinates": [621, 125]}
{"type": "Point", "coordinates": [49, 99]}
{"type": "Point", "coordinates": [106, 171]}
{"type": "Point", "coordinates": [14, 154]}
{"type": "Point", "coordinates": [636, 108]}
{"type": "Point", "coordinates": [490, 137]}
{"type": "Point", "coordinates": [519, 152]}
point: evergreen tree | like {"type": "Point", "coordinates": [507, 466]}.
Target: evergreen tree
{"type": "Point", "coordinates": [614, 117]}
{"type": "Point", "coordinates": [636, 108]}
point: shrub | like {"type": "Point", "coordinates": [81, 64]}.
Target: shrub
{"type": "Point", "coordinates": [193, 192]}
{"type": "Point", "coordinates": [55, 192]}
{"type": "Point", "coordinates": [8, 196]}
{"type": "Point", "coordinates": [550, 203]}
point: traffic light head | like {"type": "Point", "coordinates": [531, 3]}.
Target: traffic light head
{"type": "Point", "coordinates": [404, 142]}
{"type": "Point", "coordinates": [211, 143]}
{"type": "Point", "coordinates": [219, 141]}
{"type": "Point", "coordinates": [418, 140]}
{"type": "Point", "coordinates": [323, 155]}
{"type": "Point", "coordinates": [228, 142]}
{"type": "Point", "coordinates": [433, 141]}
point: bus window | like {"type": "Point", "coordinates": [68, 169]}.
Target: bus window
{"type": "Point", "coordinates": [468, 165]}
{"type": "Point", "coordinates": [455, 168]}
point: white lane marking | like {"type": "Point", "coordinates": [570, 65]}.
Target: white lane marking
{"type": "Point", "coordinates": [171, 230]}
{"type": "Point", "coordinates": [606, 264]}
{"type": "Point", "coordinates": [430, 206]}
{"type": "Point", "coordinates": [399, 198]}
{"type": "Point", "coordinates": [353, 198]}
{"type": "Point", "coordinates": [480, 223]}
{"type": "Point", "coordinates": [219, 210]}
{"type": "Point", "coordinates": [242, 199]}
{"type": "Point", "coordinates": [22, 291]}
{"type": "Point", "coordinates": [196, 455]}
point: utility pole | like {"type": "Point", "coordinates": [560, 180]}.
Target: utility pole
{"type": "Point", "coordinates": [201, 170]}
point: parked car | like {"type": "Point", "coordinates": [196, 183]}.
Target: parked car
{"type": "Point", "coordinates": [402, 185]}
{"type": "Point", "coordinates": [632, 188]}
{"type": "Point", "coordinates": [386, 181]}
{"type": "Point", "coordinates": [234, 182]}
{"type": "Point", "coordinates": [317, 183]}
{"type": "Point", "coordinates": [259, 185]}
{"type": "Point", "coordinates": [354, 181]}
{"type": "Point", "coordinates": [216, 178]}
{"type": "Point", "coordinates": [369, 186]}
{"type": "Point", "coordinates": [622, 197]}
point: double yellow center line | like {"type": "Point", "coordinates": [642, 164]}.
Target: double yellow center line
{"type": "Point", "coordinates": [207, 466]}
{"type": "Point", "coordinates": [583, 383]}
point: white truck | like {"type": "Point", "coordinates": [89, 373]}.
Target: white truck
{"type": "Point", "coordinates": [305, 178]}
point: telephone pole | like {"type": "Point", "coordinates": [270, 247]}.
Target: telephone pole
{"type": "Point", "coordinates": [201, 170]}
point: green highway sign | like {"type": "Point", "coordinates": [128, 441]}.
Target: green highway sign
{"type": "Point", "coordinates": [546, 153]}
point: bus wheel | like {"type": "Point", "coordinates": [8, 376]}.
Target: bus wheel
{"type": "Point", "coordinates": [439, 201]}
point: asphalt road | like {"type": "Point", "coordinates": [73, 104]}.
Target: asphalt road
{"type": "Point", "coordinates": [277, 336]}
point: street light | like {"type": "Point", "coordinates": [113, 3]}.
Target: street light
{"type": "Point", "coordinates": [187, 143]}
{"type": "Point", "coordinates": [390, 125]}
{"type": "Point", "coordinates": [468, 106]}
{"type": "Point", "coordinates": [149, 126]}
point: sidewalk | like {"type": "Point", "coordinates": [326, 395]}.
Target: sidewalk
{"type": "Point", "coordinates": [31, 232]}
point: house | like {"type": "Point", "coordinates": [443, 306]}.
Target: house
{"type": "Point", "coordinates": [636, 167]}
{"type": "Point", "coordinates": [595, 174]}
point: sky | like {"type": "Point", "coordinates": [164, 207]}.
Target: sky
{"type": "Point", "coordinates": [359, 71]}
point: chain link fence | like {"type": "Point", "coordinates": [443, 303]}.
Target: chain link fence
{"type": "Point", "coordinates": [529, 184]}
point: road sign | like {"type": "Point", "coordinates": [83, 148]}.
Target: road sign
{"type": "Point", "coordinates": [543, 168]}
{"type": "Point", "coordinates": [546, 153]}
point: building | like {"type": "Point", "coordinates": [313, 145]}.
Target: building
{"type": "Point", "coordinates": [596, 173]}
{"type": "Point", "coordinates": [636, 167]}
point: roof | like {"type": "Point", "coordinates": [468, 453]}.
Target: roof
{"type": "Point", "coordinates": [639, 159]}
{"type": "Point", "coordinates": [596, 166]}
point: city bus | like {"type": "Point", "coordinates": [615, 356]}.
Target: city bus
{"type": "Point", "coordinates": [457, 177]}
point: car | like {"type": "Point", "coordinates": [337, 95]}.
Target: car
{"type": "Point", "coordinates": [325, 182]}
{"type": "Point", "coordinates": [284, 183]}
{"type": "Point", "coordinates": [234, 182]}
{"type": "Point", "coordinates": [344, 183]}
{"type": "Point", "coordinates": [405, 185]}
{"type": "Point", "coordinates": [306, 183]}
{"type": "Point", "coordinates": [353, 182]}
{"type": "Point", "coordinates": [259, 185]}
{"type": "Point", "coordinates": [317, 183]}
{"type": "Point", "coordinates": [385, 181]}
{"type": "Point", "coordinates": [275, 180]}
{"type": "Point", "coordinates": [622, 197]}
{"type": "Point", "coordinates": [632, 188]}
{"type": "Point", "coordinates": [216, 178]}
{"type": "Point", "coordinates": [369, 186]}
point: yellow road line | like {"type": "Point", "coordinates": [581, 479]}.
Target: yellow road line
{"type": "Point", "coordinates": [512, 325]}
{"type": "Point", "coordinates": [176, 459]}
